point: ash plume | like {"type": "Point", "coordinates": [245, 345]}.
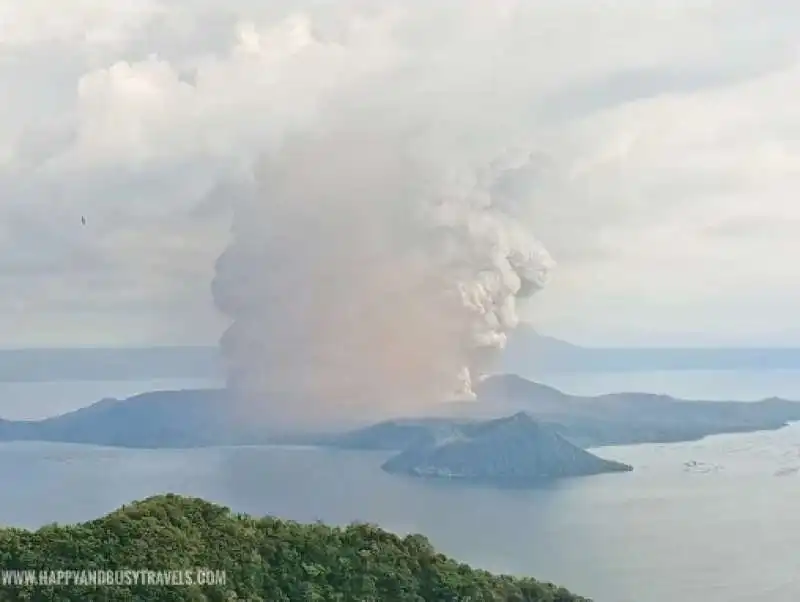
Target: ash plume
{"type": "Point", "coordinates": [362, 281]}
{"type": "Point", "coordinates": [371, 272]}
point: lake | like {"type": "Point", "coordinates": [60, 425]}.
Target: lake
{"type": "Point", "coordinates": [708, 521]}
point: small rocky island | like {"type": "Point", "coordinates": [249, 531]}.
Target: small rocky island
{"type": "Point", "coordinates": [515, 450]}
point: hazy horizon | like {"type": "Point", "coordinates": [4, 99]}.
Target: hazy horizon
{"type": "Point", "coordinates": [602, 344]}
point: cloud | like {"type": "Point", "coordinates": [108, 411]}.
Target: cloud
{"type": "Point", "coordinates": [666, 140]}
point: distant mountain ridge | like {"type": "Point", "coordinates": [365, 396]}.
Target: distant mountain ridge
{"type": "Point", "coordinates": [197, 418]}
{"type": "Point", "coordinates": [529, 352]}
{"type": "Point", "coordinates": [614, 419]}
{"type": "Point", "coordinates": [627, 418]}
{"type": "Point", "coordinates": [159, 419]}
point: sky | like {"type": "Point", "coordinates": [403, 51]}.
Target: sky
{"type": "Point", "coordinates": [667, 133]}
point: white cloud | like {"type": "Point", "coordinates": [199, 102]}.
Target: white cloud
{"type": "Point", "coordinates": [668, 133]}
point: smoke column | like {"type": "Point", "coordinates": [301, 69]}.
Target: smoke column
{"type": "Point", "coordinates": [369, 275]}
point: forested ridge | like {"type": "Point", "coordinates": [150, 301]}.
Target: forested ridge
{"type": "Point", "coordinates": [263, 559]}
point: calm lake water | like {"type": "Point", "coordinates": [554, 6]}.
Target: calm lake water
{"type": "Point", "coordinates": [708, 521]}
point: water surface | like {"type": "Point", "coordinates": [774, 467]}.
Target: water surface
{"type": "Point", "coordinates": [709, 521]}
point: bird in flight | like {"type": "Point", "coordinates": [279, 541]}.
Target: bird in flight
{"type": "Point", "coordinates": [83, 220]}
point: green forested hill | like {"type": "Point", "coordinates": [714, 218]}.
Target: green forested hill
{"type": "Point", "coordinates": [264, 559]}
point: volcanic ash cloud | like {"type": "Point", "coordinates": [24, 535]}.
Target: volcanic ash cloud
{"type": "Point", "coordinates": [366, 280]}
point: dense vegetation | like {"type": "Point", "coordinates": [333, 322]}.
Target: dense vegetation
{"type": "Point", "coordinates": [264, 560]}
